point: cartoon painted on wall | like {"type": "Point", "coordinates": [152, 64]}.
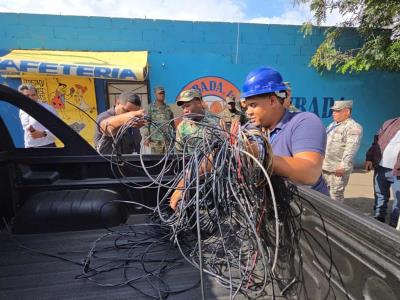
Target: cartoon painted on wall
{"type": "Point", "coordinates": [58, 97]}
{"type": "Point", "coordinates": [72, 97]}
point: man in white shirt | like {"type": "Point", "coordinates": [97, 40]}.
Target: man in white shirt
{"type": "Point", "coordinates": [35, 134]}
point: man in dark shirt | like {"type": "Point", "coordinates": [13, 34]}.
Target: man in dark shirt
{"type": "Point", "coordinates": [118, 128]}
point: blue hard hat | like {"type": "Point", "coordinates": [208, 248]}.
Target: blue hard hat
{"type": "Point", "coordinates": [263, 80]}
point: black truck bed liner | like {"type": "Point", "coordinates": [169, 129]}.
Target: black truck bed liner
{"type": "Point", "coordinates": [25, 274]}
{"type": "Point", "coordinates": [365, 252]}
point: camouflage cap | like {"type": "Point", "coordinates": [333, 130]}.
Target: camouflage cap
{"type": "Point", "coordinates": [230, 99]}
{"type": "Point", "coordinates": [159, 89]}
{"type": "Point", "coordinates": [341, 104]}
{"type": "Point", "coordinates": [187, 96]}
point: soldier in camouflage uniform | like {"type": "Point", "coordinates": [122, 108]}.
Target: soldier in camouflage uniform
{"type": "Point", "coordinates": [156, 138]}
{"type": "Point", "coordinates": [230, 114]}
{"type": "Point", "coordinates": [194, 112]}
{"type": "Point", "coordinates": [344, 137]}
{"type": "Point", "coordinates": [243, 109]}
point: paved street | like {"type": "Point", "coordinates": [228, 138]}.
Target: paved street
{"type": "Point", "coordinates": [359, 193]}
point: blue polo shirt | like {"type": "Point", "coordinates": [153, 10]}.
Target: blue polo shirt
{"type": "Point", "coordinates": [300, 132]}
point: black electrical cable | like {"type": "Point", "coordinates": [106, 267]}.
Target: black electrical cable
{"type": "Point", "coordinates": [233, 222]}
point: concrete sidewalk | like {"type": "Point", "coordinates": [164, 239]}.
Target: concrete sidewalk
{"type": "Point", "coordinates": [359, 193]}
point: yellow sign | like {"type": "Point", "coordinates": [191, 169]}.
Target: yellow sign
{"type": "Point", "coordinates": [40, 84]}
{"type": "Point", "coordinates": [131, 65]}
{"type": "Point", "coordinates": [72, 97]}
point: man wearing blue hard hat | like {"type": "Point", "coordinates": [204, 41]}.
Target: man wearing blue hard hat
{"type": "Point", "coordinates": [298, 139]}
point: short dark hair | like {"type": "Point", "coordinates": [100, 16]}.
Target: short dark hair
{"type": "Point", "coordinates": [131, 97]}
{"type": "Point", "coordinates": [265, 95]}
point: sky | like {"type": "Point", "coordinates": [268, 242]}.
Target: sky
{"type": "Point", "coordinates": [249, 11]}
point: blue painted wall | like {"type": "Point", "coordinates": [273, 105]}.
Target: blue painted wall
{"type": "Point", "coordinates": [180, 52]}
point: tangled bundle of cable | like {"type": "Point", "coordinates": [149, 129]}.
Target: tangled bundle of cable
{"type": "Point", "coordinates": [233, 222]}
{"type": "Point", "coordinates": [229, 223]}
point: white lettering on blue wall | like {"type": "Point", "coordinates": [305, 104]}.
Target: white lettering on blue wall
{"type": "Point", "coordinates": [313, 105]}
{"type": "Point", "coordinates": [10, 65]}
{"type": "Point", "coordinates": [212, 86]}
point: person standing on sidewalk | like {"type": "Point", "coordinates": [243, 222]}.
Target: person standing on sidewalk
{"type": "Point", "coordinates": [344, 138]}
{"type": "Point", "coordinates": [230, 115]}
{"type": "Point", "coordinates": [384, 157]}
{"type": "Point", "coordinates": [157, 138]}
{"type": "Point", "coordinates": [35, 134]}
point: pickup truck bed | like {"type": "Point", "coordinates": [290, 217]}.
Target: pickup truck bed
{"type": "Point", "coordinates": [25, 274]}
{"type": "Point", "coordinates": [364, 251]}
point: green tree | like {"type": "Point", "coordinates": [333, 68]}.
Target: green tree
{"type": "Point", "coordinates": [377, 24]}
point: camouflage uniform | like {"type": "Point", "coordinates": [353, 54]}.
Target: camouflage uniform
{"type": "Point", "coordinates": [342, 145]}
{"type": "Point", "coordinates": [189, 129]}
{"type": "Point", "coordinates": [229, 117]}
{"type": "Point", "coordinates": [244, 119]}
{"type": "Point", "coordinates": [161, 114]}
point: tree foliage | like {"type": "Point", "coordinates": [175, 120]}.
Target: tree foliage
{"type": "Point", "coordinates": [377, 23]}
